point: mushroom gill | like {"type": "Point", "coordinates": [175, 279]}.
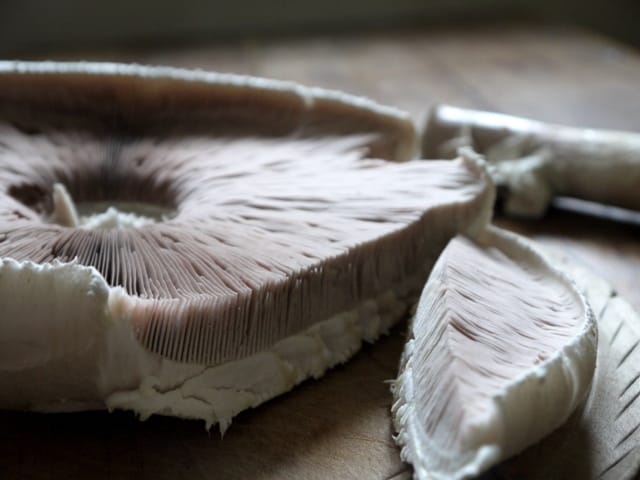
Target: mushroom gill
{"type": "Point", "coordinates": [283, 224]}
{"type": "Point", "coordinates": [502, 350]}
{"type": "Point", "coordinates": [284, 208]}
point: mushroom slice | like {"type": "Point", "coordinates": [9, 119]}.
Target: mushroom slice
{"type": "Point", "coordinates": [502, 349]}
{"type": "Point", "coordinates": [601, 440]}
{"type": "Point", "coordinates": [258, 232]}
{"type": "Point", "coordinates": [534, 161]}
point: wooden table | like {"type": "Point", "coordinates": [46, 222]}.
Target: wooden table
{"type": "Point", "coordinates": [339, 427]}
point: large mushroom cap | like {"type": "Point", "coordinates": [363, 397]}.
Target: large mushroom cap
{"type": "Point", "coordinates": [259, 208]}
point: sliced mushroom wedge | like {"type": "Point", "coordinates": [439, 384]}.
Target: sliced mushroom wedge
{"type": "Point", "coordinates": [193, 244]}
{"type": "Point", "coordinates": [502, 350]}
{"type": "Point", "coordinates": [601, 440]}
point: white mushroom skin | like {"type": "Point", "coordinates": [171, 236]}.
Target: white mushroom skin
{"type": "Point", "coordinates": [535, 161]}
{"type": "Point", "coordinates": [501, 350]}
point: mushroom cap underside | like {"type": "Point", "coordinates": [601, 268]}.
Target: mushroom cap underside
{"type": "Point", "coordinates": [281, 214]}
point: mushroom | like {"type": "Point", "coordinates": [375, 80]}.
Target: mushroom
{"type": "Point", "coordinates": [193, 244]}
{"type": "Point", "coordinates": [501, 350]}
{"type": "Point", "coordinates": [535, 161]}
{"type": "Point", "coordinates": [602, 438]}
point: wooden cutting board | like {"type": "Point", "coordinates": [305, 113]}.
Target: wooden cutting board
{"type": "Point", "coordinates": [339, 427]}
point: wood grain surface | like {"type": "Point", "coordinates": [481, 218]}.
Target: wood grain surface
{"type": "Point", "coordinates": [339, 427]}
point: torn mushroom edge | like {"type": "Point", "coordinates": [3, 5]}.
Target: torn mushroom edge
{"type": "Point", "coordinates": [408, 143]}
{"type": "Point", "coordinates": [583, 347]}
{"type": "Point", "coordinates": [152, 384]}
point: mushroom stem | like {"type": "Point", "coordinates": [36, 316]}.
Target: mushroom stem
{"type": "Point", "coordinates": [535, 161]}
{"type": "Point", "coordinates": [64, 210]}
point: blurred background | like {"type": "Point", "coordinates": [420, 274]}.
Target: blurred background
{"type": "Point", "coordinates": [524, 57]}
{"type": "Point", "coordinates": [42, 27]}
